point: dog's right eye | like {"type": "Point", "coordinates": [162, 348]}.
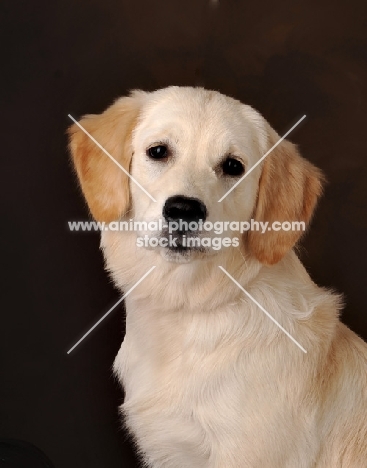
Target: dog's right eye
{"type": "Point", "coordinates": [232, 167]}
{"type": "Point", "coordinates": [157, 152]}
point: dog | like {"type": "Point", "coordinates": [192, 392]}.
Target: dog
{"type": "Point", "coordinates": [210, 380]}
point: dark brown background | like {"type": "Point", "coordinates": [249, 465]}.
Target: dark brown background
{"type": "Point", "coordinates": [285, 58]}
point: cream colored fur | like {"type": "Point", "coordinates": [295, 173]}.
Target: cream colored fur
{"type": "Point", "coordinates": [210, 380]}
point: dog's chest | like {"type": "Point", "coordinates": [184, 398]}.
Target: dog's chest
{"type": "Point", "coordinates": [199, 393]}
{"type": "Point", "coordinates": [180, 392]}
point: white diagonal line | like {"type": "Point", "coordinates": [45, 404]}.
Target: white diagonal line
{"type": "Point", "coordinates": [262, 159]}
{"type": "Point", "coordinates": [112, 158]}
{"type": "Point", "coordinates": [262, 308]}
{"type": "Point", "coordinates": [113, 307]}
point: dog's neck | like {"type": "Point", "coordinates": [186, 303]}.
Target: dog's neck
{"type": "Point", "coordinates": [182, 293]}
{"type": "Point", "coordinates": [199, 282]}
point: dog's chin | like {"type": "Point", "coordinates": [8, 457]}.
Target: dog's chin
{"type": "Point", "coordinates": [182, 254]}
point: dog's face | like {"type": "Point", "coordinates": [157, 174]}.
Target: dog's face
{"type": "Point", "coordinates": [187, 147]}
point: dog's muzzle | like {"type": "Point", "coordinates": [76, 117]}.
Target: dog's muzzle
{"type": "Point", "coordinates": [185, 211]}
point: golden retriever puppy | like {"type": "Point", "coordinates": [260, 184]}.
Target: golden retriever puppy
{"type": "Point", "coordinates": [210, 380]}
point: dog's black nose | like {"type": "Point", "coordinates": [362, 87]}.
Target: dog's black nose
{"type": "Point", "coordinates": [185, 208]}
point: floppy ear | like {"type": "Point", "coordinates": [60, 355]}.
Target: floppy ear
{"type": "Point", "coordinates": [104, 185]}
{"type": "Point", "coordinates": [288, 191]}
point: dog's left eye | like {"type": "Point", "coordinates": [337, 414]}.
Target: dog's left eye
{"type": "Point", "coordinates": [232, 167]}
{"type": "Point", "coordinates": [157, 152]}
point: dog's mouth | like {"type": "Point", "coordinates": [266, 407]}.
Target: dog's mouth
{"type": "Point", "coordinates": [179, 248]}
{"type": "Point", "coordinates": [182, 246]}
{"type": "Point", "coordinates": [183, 241]}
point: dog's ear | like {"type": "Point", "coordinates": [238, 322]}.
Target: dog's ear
{"type": "Point", "coordinates": [104, 185]}
{"type": "Point", "coordinates": [289, 188]}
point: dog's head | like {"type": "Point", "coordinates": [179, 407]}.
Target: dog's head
{"type": "Point", "coordinates": [186, 147]}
